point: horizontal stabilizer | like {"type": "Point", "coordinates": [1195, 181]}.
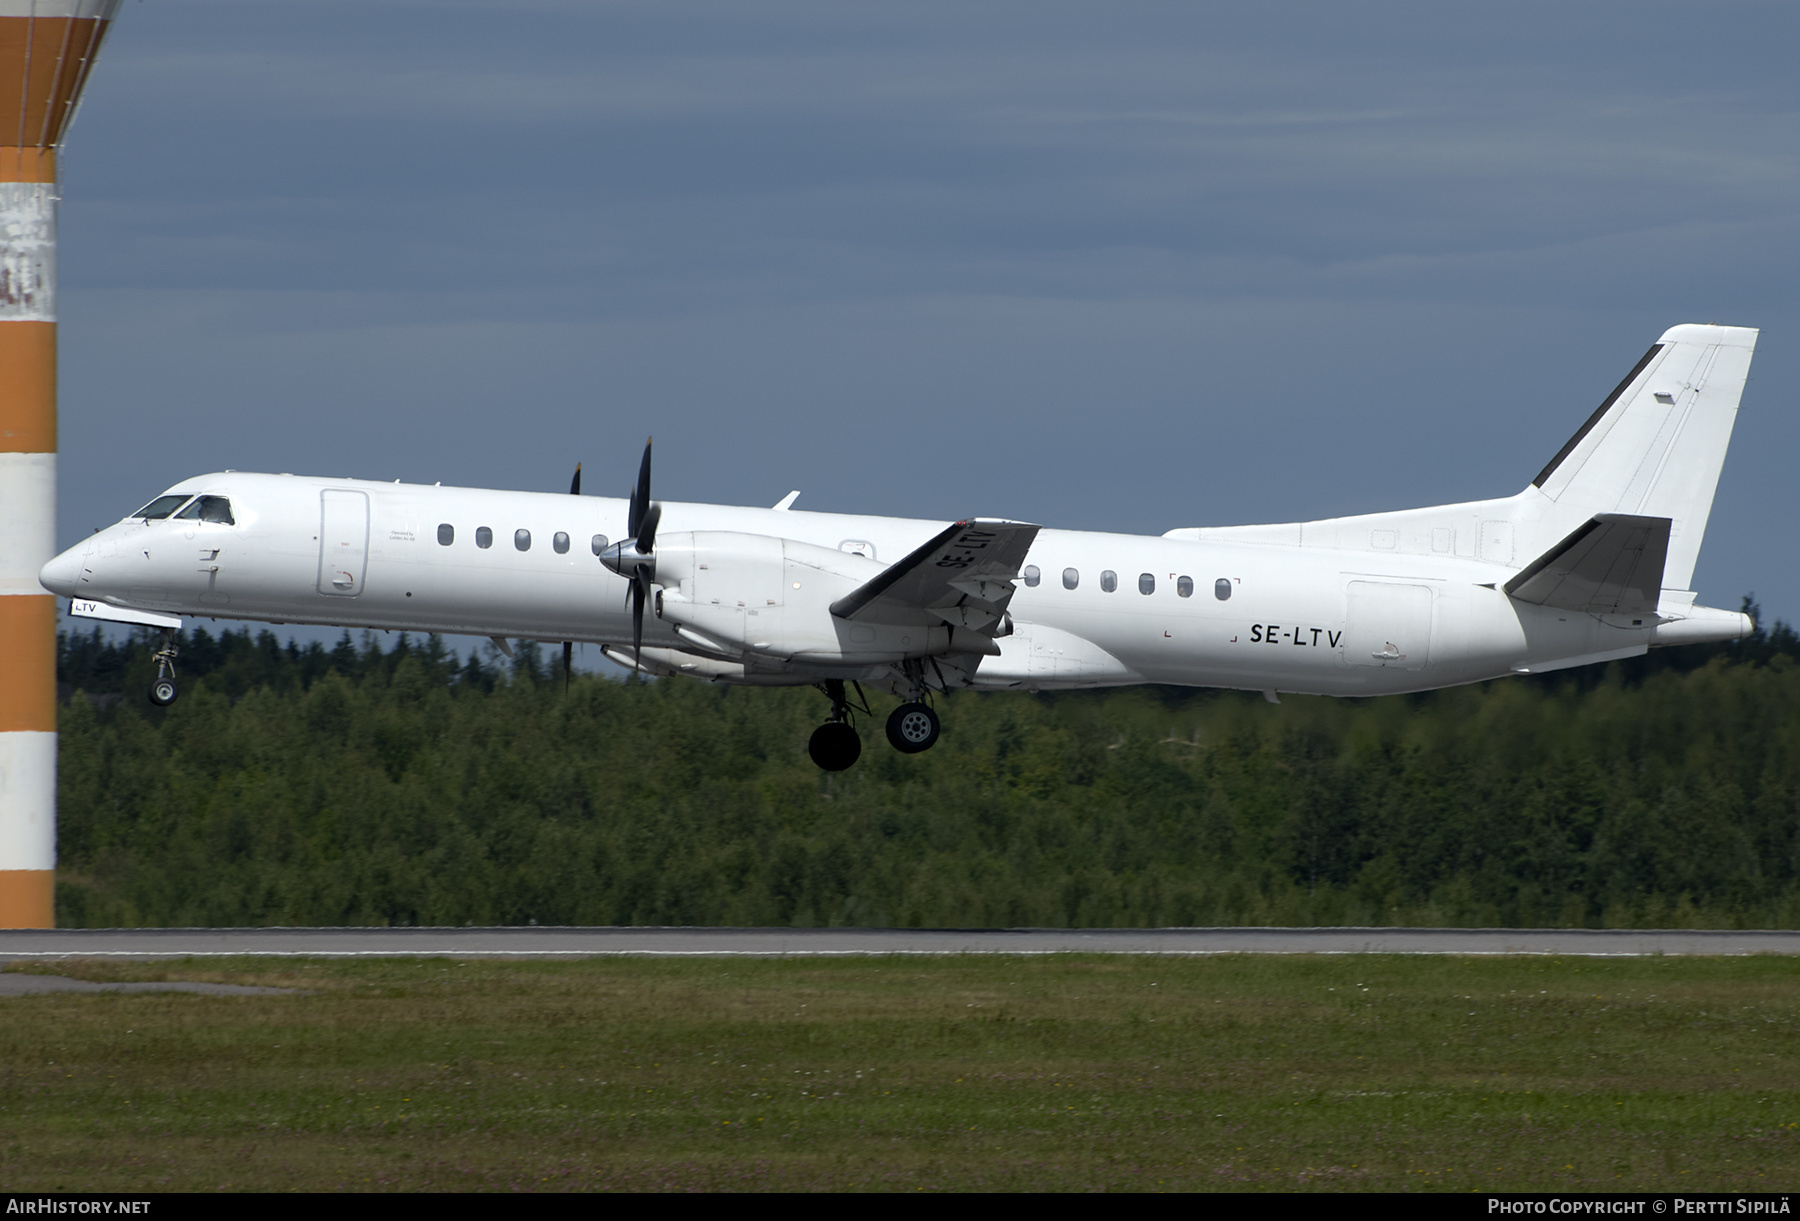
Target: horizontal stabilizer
{"type": "Point", "coordinates": [963, 577]}
{"type": "Point", "coordinates": [1612, 565]}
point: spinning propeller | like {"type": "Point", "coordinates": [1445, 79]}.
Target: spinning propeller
{"type": "Point", "coordinates": [634, 558]}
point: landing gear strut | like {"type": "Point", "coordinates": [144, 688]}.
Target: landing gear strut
{"type": "Point", "coordinates": [164, 691]}
{"type": "Point", "coordinates": [835, 744]}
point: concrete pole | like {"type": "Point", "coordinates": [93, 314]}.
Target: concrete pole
{"type": "Point", "coordinates": [46, 50]}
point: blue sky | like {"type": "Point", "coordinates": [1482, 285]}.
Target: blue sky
{"type": "Point", "coordinates": [1122, 266]}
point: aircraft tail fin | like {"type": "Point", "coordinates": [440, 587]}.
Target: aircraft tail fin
{"type": "Point", "coordinates": [1656, 445]}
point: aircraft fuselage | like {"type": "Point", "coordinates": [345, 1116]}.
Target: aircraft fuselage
{"type": "Point", "coordinates": [1256, 616]}
{"type": "Point", "coordinates": [1590, 562]}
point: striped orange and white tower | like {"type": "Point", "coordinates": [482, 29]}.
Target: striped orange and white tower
{"type": "Point", "coordinates": [47, 48]}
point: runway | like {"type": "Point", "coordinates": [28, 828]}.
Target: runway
{"type": "Point", "coordinates": [40, 944]}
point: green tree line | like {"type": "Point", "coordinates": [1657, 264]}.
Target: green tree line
{"type": "Point", "coordinates": [389, 781]}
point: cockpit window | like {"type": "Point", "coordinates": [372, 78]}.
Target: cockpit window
{"type": "Point", "coordinates": [209, 508]}
{"type": "Point", "coordinates": [161, 507]}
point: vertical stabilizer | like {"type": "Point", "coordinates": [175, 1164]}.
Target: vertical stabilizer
{"type": "Point", "coordinates": [1655, 446]}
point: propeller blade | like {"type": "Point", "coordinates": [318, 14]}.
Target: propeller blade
{"type": "Point", "coordinates": [568, 646]}
{"type": "Point", "coordinates": [640, 495]}
{"type": "Point", "coordinates": [637, 622]}
{"type": "Point", "coordinates": [646, 535]}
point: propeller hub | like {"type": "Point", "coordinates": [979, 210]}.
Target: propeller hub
{"type": "Point", "coordinates": [624, 559]}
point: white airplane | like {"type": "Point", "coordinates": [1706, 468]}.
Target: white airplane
{"type": "Point", "coordinates": [1591, 562]}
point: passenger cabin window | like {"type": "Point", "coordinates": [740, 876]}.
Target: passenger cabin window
{"type": "Point", "coordinates": [1071, 578]}
{"type": "Point", "coordinates": [446, 534]}
{"type": "Point", "coordinates": [1222, 589]}
{"type": "Point", "coordinates": [1146, 583]}
{"type": "Point", "coordinates": [1184, 587]}
{"type": "Point", "coordinates": [1109, 581]}
{"type": "Point", "coordinates": [215, 509]}
{"type": "Point", "coordinates": [599, 543]}
{"type": "Point", "coordinates": [161, 507]}
{"type": "Point", "coordinates": [1032, 576]}
{"type": "Point", "coordinates": [561, 543]}
{"type": "Point", "coordinates": [522, 540]}
{"type": "Point", "coordinates": [484, 537]}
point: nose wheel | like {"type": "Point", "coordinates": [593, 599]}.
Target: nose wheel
{"type": "Point", "coordinates": [163, 691]}
{"type": "Point", "coordinates": [912, 728]}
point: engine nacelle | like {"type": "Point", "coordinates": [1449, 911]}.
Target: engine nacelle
{"type": "Point", "coordinates": [736, 594]}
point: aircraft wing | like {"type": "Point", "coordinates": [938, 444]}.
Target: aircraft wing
{"type": "Point", "coordinates": [963, 577]}
{"type": "Point", "coordinates": [1613, 565]}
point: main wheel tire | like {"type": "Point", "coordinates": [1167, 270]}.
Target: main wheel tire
{"type": "Point", "coordinates": [835, 746]}
{"type": "Point", "coordinates": [163, 692]}
{"type": "Point", "coordinates": [912, 728]}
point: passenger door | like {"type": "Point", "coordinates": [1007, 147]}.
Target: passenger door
{"type": "Point", "coordinates": [343, 541]}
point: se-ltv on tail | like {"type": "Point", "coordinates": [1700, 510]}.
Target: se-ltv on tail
{"type": "Point", "coordinates": [1590, 563]}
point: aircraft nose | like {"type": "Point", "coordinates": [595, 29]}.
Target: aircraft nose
{"type": "Point", "coordinates": [62, 575]}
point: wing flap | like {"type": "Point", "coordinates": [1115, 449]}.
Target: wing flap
{"type": "Point", "coordinates": [1612, 565]}
{"type": "Point", "coordinates": [963, 577]}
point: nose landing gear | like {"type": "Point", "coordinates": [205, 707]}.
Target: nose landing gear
{"type": "Point", "coordinates": [163, 691]}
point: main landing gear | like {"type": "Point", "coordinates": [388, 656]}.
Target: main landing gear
{"type": "Point", "coordinates": [911, 728]}
{"type": "Point", "coordinates": [163, 691]}
{"type": "Point", "coordinates": [835, 745]}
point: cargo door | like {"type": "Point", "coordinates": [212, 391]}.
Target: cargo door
{"type": "Point", "coordinates": [1388, 625]}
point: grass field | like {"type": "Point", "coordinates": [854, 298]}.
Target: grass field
{"type": "Point", "coordinates": [902, 1074]}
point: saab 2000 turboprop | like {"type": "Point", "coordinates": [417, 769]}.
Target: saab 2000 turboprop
{"type": "Point", "coordinates": [1591, 562]}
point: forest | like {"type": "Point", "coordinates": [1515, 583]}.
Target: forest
{"type": "Point", "coordinates": [391, 781]}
